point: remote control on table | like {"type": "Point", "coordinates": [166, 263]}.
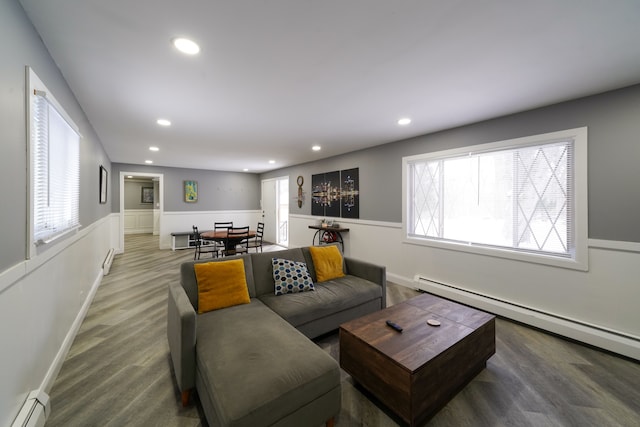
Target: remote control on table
{"type": "Point", "coordinates": [394, 326]}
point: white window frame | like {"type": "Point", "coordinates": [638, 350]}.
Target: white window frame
{"type": "Point", "coordinates": [34, 84]}
{"type": "Point", "coordinates": [579, 256]}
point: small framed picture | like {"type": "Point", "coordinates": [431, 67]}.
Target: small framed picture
{"type": "Point", "coordinates": [103, 184]}
{"type": "Point", "coordinates": [191, 191]}
{"type": "Point", "coordinates": [146, 196]}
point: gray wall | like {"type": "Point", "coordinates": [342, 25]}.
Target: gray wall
{"type": "Point", "coordinates": [216, 190]}
{"type": "Point", "coordinates": [21, 46]}
{"type": "Point", "coordinates": [613, 121]}
{"type": "Point", "coordinates": [133, 194]}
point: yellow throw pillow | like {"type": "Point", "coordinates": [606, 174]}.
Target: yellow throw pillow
{"type": "Point", "coordinates": [327, 261]}
{"type": "Point", "coordinates": [221, 284]}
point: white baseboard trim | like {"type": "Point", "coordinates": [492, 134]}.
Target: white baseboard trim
{"type": "Point", "coordinates": [613, 341]}
{"type": "Point", "coordinates": [56, 365]}
{"type": "Point", "coordinates": [216, 212]}
{"type": "Point", "coordinates": [138, 231]}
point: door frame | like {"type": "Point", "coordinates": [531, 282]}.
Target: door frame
{"type": "Point", "coordinates": [279, 198]}
{"type": "Point", "coordinates": [275, 181]}
{"type": "Point", "coordinates": [160, 202]}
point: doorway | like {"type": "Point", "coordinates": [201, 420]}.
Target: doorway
{"type": "Point", "coordinates": [275, 210]}
{"type": "Point", "coordinates": [156, 200]}
{"type": "Point", "coordinates": [140, 205]}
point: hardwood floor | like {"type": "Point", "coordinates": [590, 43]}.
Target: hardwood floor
{"type": "Point", "coordinates": [118, 372]}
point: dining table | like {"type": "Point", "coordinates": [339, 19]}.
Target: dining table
{"type": "Point", "coordinates": [221, 236]}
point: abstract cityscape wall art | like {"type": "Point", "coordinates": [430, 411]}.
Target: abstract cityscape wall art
{"type": "Point", "coordinates": [336, 194]}
{"type": "Point", "coordinates": [349, 193]}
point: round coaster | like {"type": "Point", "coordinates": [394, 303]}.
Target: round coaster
{"type": "Point", "coordinates": [433, 322]}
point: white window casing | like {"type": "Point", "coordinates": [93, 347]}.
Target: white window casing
{"type": "Point", "coordinates": [523, 199]}
{"type": "Point", "coordinates": [54, 167]}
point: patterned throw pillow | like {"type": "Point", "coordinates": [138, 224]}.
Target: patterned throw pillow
{"type": "Point", "coordinates": [291, 276]}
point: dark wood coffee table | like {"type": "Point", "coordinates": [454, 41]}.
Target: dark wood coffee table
{"type": "Point", "coordinates": [416, 372]}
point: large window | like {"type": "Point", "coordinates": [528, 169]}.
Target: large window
{"type": "Point", "coordinates": [523, 198]}
{"type": "Point", "coordinates": [54, 166]}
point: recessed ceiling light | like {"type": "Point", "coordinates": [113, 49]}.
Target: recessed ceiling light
{"type": "Point", "coordinates": [316, 148]}
{"type": "Point", "coordinates": [245, 170]}
{"type": "Point", "coordinates": [148, 161]}
{"type": "Point", "coordinates": [404, 121]}
{"type": "Point", "coordinates": [163, 122]}
{"type": "Point", "coordinates": [186, 46]}
{"type": "Point", "coordinates": [154, 149]}
{"type": "Point", "coordinates": [272, 161]}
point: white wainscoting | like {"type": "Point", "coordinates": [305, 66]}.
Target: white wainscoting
{"type": "Point", "coordinates": [44, 300]}
{"type": "Point", "coordinates": [598, 307]}
{"type": "Point", "coordinates": [156, 222]}
{"type": "Point", "coordinates": [137, 221]}
{"type": "Point", "coordinates": [170, 222]}
{"type": "Point", "coordinates": [184, 221]}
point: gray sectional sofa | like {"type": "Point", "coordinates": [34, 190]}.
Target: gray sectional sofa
{"type": "Point", "coordinates": [254, 364]}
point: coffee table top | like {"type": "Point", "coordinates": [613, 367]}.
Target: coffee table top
{"type": "Point", "coordinates": [418, 342]}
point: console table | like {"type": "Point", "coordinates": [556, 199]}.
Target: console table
{"type": "Point", "coordinates": [326, 235]}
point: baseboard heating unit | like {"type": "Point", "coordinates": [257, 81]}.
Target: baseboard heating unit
{"type": "Point", "coordinates": [596, 335]}
{"type": "Point", "coordinates": [35, 411]}
{"type": "Point", "coordinates": [106, 266]}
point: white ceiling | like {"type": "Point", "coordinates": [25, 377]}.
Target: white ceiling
{"type": "Point", "coordinates": [275, 77]}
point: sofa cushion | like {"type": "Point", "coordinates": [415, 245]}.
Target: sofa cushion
{"type": "Point", "coordinates": [258, 367]}
{"type": "Point", "coordinates": [290, 277]}
{"type": "Point", "coordinates": [221, 285]}
{"type": "Point", "coordinates": [327, 261]}
{"type": "Point", "coordinates": [328, 298]}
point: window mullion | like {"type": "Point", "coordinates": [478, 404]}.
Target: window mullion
{"type": "Point", "coordinates": [441, 197]}
{"type": "Point", "coordinates": [515, 234]}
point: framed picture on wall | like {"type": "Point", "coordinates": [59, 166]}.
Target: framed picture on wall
{"type": "Point", "coordinates": [191, 191]}
{"type": "Point", "coordinates": [103, 184]}
{"type": "Point", "coordinates": [146, 195]}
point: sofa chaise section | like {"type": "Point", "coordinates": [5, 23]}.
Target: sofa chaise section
{"type": "Point", "coordinates": [262, 371]}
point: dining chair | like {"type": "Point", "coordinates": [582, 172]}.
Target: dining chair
{"type": "Point", "coordinates": [256, 242]}
{"type": "Point", "coordinates": [236, 241]}
{"type": "Point", "coordinates": [203, 246]}
{"type": "Point", "coordinates": [221, 226]}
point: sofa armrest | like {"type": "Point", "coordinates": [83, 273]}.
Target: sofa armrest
{"type": "Point", "coordinates": [371, 272]}
{"type": "Point", "coordinates": [181, 332]}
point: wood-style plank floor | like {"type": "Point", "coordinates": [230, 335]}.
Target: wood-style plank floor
{"type": "Point", "coordinates": [118, 371]}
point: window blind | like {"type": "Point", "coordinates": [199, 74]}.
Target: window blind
{"type": "Point", "coordinates": [519, 198]}
{"type": "Point", "coordinates": [55, 149]}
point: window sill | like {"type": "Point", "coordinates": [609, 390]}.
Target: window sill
{"type": "Point", "coordinates": [577, 263]}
